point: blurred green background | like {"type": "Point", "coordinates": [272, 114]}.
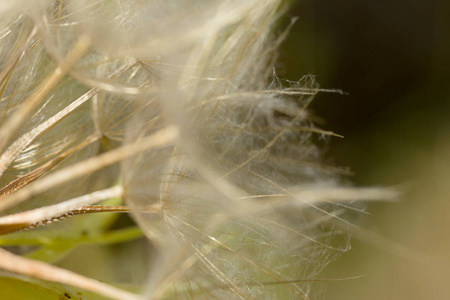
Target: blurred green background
{"type": "Point", "coordinates": [392, 58]}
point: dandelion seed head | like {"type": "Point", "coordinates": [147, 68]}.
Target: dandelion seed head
{"type": "Point", "coordinates": [177, 103]}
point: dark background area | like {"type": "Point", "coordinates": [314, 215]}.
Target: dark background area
{"type": "Point", "coordinates": [392, 59]}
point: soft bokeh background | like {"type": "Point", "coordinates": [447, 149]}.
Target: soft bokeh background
{"type": "Point", "coordinates": [392, 58]}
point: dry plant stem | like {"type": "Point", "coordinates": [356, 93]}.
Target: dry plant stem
{"type": "Point", "coordinates": [6, 72]}
{"type": "Point", "coordinates": [52, 211]}
{"type": "Point", "coordinates": [44, 169]}
{"type": "Point", "coordinates": [24, 141]}
{"type": "Point", "coordinates": [12, 125]}
{"type": "Point", "coordinates": [44, 271]}
{"type": "Point", "coordinates": [161, 138]}
{"type": "Point", "coordinates": [86, 209]}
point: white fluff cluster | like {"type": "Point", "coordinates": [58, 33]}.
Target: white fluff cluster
{"type": "Point", "coordinates": [176, 102]}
